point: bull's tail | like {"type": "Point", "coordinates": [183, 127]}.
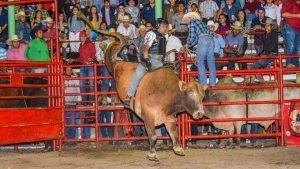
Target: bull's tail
{"type": "Point", "coordinates": [113, 48]}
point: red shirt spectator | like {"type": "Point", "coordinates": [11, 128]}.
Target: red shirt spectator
{"type": "Point", "coordinates": [87, 50]}
{"type": "Point", "coordinates": [292, 7]}
{"type": "Point", "coordinates": [251, 6]}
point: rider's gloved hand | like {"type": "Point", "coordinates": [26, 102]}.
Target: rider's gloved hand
{"type": "Point", "coordinates": [148, 64]}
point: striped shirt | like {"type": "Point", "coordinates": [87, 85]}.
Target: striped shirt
{"type": "Point", "coordinates": [208, 8]}
{"type": "Point", "coordinates": [196, 29]}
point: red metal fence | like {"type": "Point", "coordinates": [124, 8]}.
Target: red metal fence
{"type": "Point", "coordinates": [184, 121]}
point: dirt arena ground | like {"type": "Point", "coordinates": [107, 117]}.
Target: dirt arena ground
{"type": "Point", "coordinates": [258, 158]}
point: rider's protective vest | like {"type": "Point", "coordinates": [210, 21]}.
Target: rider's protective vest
{"type": "Point", "coordinates": [158, 46]}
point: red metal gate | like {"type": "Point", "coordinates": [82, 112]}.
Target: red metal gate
{"type": "Point", "coordinates": [34, 123]}
{"type": "Point", "coordinates": [27, 123]}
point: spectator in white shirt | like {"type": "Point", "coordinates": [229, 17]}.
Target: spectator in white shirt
{"type": "Point", "coordinates": [273, 11]}
{"type": "Point", "coordinates": [208, 9]}
{"type": "Point", "coordinates": [126, 28]}
{"type": "Point", "coordinates": [173, 45]}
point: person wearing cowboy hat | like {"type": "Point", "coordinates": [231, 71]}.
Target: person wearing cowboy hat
{"type": "Point", "coordinates": [218, 39]}
{"type": "Point", "coordinates": [23, 28]}
{"type": "Point", "coordinates": [234, 44]}
{"type": "Point", "coordinates": [173, 45]}
{"type": "Point", "coordinates": [200, 35]}
{"type": "Point", "coordinates": [126, 28]}
{"type": "Point", "coordinates": [17, 50]}
{"type": "Point", "coordinates": [139, 41]}
{"type": "Point", "coordinates": [50, 32]}
{"type": "Point", "coordinates": [270, 46]}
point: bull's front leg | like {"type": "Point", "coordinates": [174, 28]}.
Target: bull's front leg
{"type": "Point", "coordinates": [171, 127]}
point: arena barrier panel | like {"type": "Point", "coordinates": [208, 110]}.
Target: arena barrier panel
{"type": "Point", "coordinates": [31, 108]}
{"type": "Point", "coordinates": [275, 73]}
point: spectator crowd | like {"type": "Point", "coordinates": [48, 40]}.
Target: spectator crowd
{"type": "Point", "coordinates": [231, 22]}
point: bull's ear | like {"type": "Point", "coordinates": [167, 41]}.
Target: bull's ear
{"type": "Point", "coordinates": [182, 85]}
{"type": "Point", "coordinates": [205, 87]}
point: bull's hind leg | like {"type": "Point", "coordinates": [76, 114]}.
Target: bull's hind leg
{"type": "Point", "coordinates": [150, 127]}
{"type": "Point", "coordinates": [171, 127]}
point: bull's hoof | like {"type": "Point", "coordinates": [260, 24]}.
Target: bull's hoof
{"type": "Point", "coordinates": [179, 151]}
{"type": "Point", "coordinates": [153, 157]}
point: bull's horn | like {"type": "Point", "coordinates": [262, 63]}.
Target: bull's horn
{"type": "Point", "coordinates": [85, 19]}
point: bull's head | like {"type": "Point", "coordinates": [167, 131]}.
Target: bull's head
{"type": "Point", "coordinates": [193, 95]}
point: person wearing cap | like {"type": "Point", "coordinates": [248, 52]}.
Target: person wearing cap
{"type": "Point", "coordinates": [218, 39]}
{"type": "Point", "coordinates": [257, 25]}
{"type": "Point", "coordinates": [270, 46]}
{"type": "Point", "coordinates": [291, 30]}
{"type": "Point", "coordinates": [37, 49]}
{"type": "Point", "coordinates": [23, 28]}
{"type": "Point", "coordinates": [17, 50]}
{"type": "Point", "coordinates": [39, 7]}
{"type": "Point", "coordinates": [3, 23]}
{"type": "Point", "coordinates": [154, 53]}
{"type": "Point", "coordinates": [200, 35]}
{"type": "Point", "coordinates": [126, 28]}
{"type": "Point", "coordinates": [234, 44]}
{"type": "Point", "coordinates": [139, 41]}
{"type": "Point", "coordinates": [173, 45]}
{"type": "Point", "coordinates": [133, 11]}
{"type": "Point", "coordinates": [87, 55]}
{"type": "Point", "coordinates": [50, 32]}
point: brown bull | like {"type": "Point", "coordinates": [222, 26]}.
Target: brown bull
{"type": "Point", "coordinates": [159, 96]}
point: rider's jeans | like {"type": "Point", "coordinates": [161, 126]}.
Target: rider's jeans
{"type": "Point", "coordinates": [140, 72]}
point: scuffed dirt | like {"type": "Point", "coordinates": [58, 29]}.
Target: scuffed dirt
{"type": "Point", "coordinates": [117, 158]}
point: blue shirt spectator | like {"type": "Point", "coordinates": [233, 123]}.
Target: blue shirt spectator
{"type": "Point", "coordinates": [196, 28]}
{"type": "Point", "coordinates": [22, 27]}
{"type": "Point", "coordinates": [148, 14]}
{"type": "Point", "coordinates": [3, 55]}
{"type": "Point", "coordinates": [234, 41]}
{"type": "Point", "coordinates": [230, 10]}
{"type": "Point", "coordinates": [219, 45]}
{"type": "Point", "coordinates": [75, 24]}
{"type": "Point", "coordinates": [108, 13]}
{"type": "Point", "coordinates": [3, 22]}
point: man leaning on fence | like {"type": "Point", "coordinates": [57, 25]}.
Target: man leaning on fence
{"type": "Point", "coordinates": [200, 35]}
